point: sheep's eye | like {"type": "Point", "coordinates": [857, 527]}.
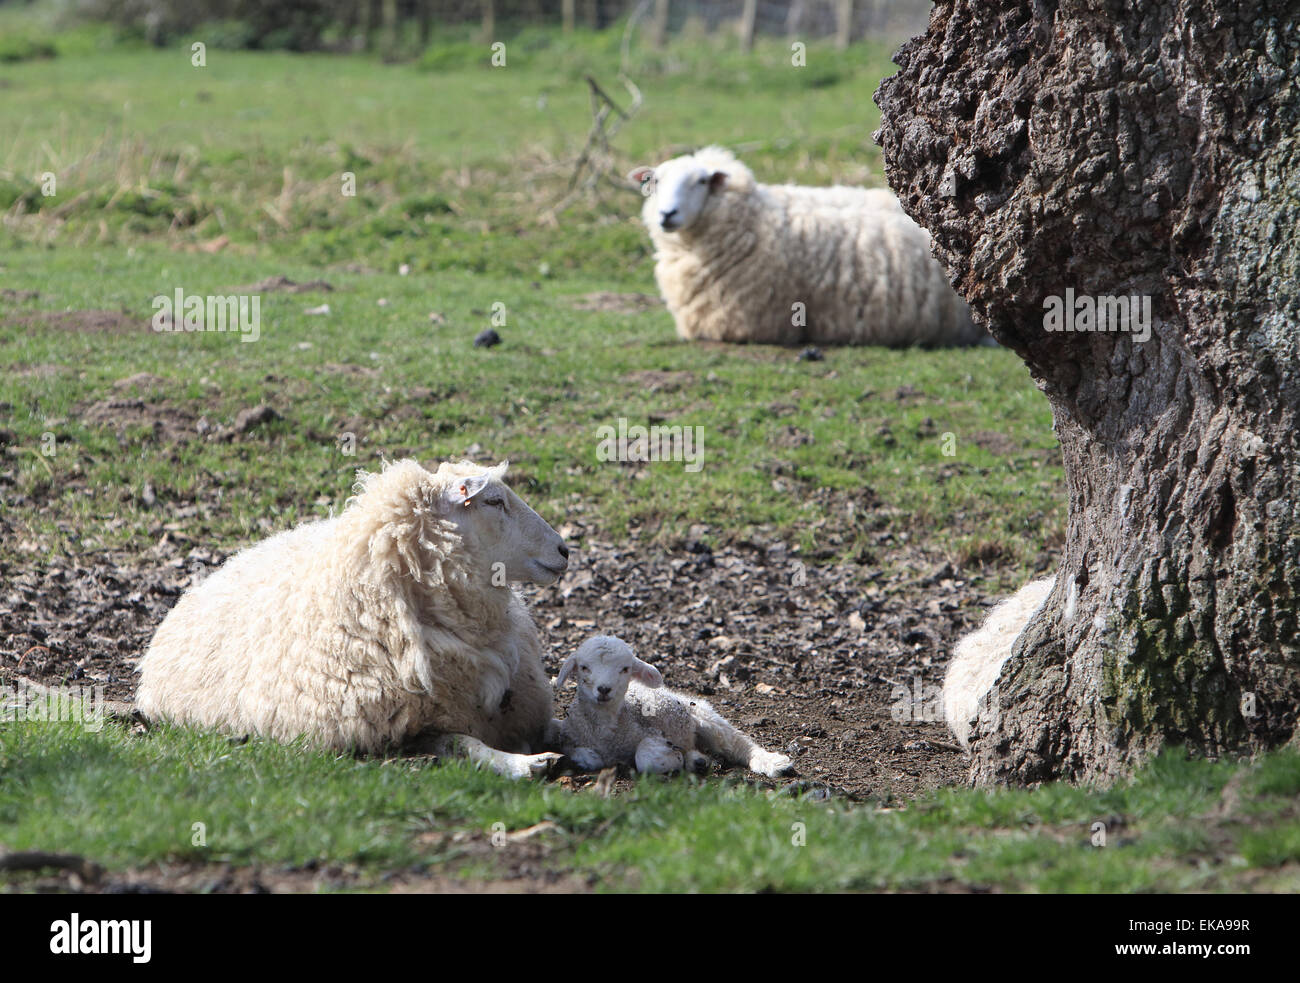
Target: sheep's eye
{"type": "Point", "coordinates": [704, 180]}
{"type": "Point", "coordinates": [624, 669]}
{"type": "Point", "coordinates": [496, 503]}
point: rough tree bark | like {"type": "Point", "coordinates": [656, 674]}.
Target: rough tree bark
{"type": "Point", "coordinates": [1132, 148]}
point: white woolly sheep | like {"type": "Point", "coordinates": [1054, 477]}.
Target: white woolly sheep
{"type": "Point", "coordinates": [362, 631]}
{"type": "Point", "coordinates": [623, 715]}
{"type": "Point", "coordinates": [978, 658]}
{"type": "Point", "coordinates": [740, 261]}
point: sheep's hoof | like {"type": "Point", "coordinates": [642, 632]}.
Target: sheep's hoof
{"type": "Point", "coordinates": [771, 764]}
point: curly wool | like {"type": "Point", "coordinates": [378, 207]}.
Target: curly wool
{"type": "Point", "coordinates": [357, 632]}
{"type": "Point", "coordinates": [860, 267]}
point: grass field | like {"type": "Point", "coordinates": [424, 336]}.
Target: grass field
{"type": "Point", "coordinates": [172, 176]}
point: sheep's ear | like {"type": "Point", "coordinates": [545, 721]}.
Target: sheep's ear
{"type": "Point", "coordinates": [647, 675]}
{"type": "Point", "coordinates": [464, 490]}
{"type": "Point", "coordinates": [566, 670]}
{"type": "Point", "coordinates": [718, 180]}
{"type": "Point", "coordinates": [640, 175]}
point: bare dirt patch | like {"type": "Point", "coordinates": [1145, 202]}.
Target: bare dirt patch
{"type": "Point", "coordinates": [82, 322]}
{"type": "Point", "coordinates": [282, 284]}
{"type": "Point", "coordinates": [169, 424]}
{"type": "Point", "coordinates": [836, 665]}
{"type": "Point", "coordinates": [659, 380]}
{"type": "Point", "coordinates": [521, 873]}
{"type": "Point", "coordinates": [617, 303]}
{"type": "Point", "coordinates": [995, 442]}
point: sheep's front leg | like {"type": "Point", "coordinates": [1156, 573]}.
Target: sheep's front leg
{"type": "Point", "coordinates": [656, 756]}
{"type": "Point", "coordinates": [502, 762]}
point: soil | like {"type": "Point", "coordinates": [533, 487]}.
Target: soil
{"type": "Point", "coordinates": [835, 664]}
{"type": "Point", "coordinates": [617, 303]}
{"type": "Point", "coordinates": [832, 664]}
{"type": "Point", "coordinates": [79, 322]}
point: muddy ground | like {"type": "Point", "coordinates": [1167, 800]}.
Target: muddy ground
{"type": "Point", "coordinates": [836, 664]}
{"type": "Point", "coordinates": [833, 664]}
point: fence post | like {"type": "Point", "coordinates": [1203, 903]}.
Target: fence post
{"type": "Point", "coordinates": [426, 22]}
{"type": "Point", "coordinates": [843, 23]}
{"type": "Point", "coordinates": [388, 33]}
{"type": "Point", "coordinates": [747, 21]}
{"type": "Point", "coordinates": [593, 14]}
{"type": "Point", "coordinates": [567, 14]}
{"type": "Point", "coordinates": [659, 26]}
{"type": "Point", "coordinates": [794, 19]}
{"type": "Point", "coordinates": [489, 19]}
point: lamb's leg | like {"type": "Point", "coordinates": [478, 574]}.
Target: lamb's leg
{"type": "Point", "coordinates": [656, 756]}
{"type": "Point", "coordinates": [714, 734]}
{"type": "Point", "coordinates": [502, 762]}
{"type": "Point", "coordinates": [696, 763]}
{"type": "Point", "coordinates": [587, 759]}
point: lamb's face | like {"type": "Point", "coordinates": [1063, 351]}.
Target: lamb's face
{"type": "Point", "coordinates": [512, 542]}
{"type": "Point", "coordinates": [679, 192]}
{"type": "Point", "coordinates": [603, 666]}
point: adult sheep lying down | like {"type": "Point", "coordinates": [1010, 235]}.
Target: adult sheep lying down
{"type": "Point", "coordinates": [741, 261]}
{"type": "Point", "coordinates": [362, 631]}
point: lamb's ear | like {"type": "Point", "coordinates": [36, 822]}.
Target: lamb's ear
{"type": "Point", "coordinates": [566, 670]}
{"type": "Point", "coordinates": [646, 674]}
{"type": "Point", "coordinates": [640, 175]}
{"type": "Point", "coordinates": [718, 180]}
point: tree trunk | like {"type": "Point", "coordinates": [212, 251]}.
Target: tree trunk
{"type": "Point", "coordinates": [1137, 149]}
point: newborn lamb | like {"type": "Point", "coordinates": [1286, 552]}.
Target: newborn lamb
{"type": "Point", "coordinates": [624, 715]}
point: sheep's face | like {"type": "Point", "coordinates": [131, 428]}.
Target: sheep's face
{"type": "Point", "coordinates": [603, 666]}
{"type": "Point", "coordinates": [679, 192]}
{"type": "Point", "coordinates": [512, 543]}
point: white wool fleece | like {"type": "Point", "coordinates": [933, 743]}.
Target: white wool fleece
{"type": "Point", "coordinates": [624, 715]}
{"type": "Point", "coordinates": [740, 261]}
{"type": "Point", "coordinates": [360, 631]}
{"type": "Point", "coordinates": [978, 657]}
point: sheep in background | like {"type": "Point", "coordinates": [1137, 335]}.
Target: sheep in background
{"type": "Point", "coordinates": [361, 631]}
{"type": "Point", "coordinates": [978, 658]}
{"type": "Point", "coordinates": [783, 264]}
{"type": "Point", "coordinates": [623, 716]}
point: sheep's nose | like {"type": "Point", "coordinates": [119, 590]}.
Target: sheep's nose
{"type": "Point", "coordinates": [603, 690]}
{"type": "Point", "coordinates": [564, 551]}
{"type": "Point", "coordinates": [664, 216]}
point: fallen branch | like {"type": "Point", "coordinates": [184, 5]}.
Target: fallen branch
{"type": "Point", "coordinates": [596, 161]}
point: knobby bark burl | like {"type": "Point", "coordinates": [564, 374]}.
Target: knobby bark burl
{"type": "Point", "coordinates": [1149, 149]}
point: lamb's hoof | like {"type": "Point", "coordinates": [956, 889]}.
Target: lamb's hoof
{"type": "Point", "coordinates": [542, 765]}
{"type": "Point", "coordinates": [518, 766]}
{"type": "Point", "coordinates": [697, 764]}
{"type": "Point", "coordinates": [771, 764]}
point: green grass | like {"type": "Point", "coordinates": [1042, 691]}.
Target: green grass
{"type": "Point", "coordinates": [173, 176]}
{"type": "Point", "coordinates": [454, 167]}
{"type": "Point", "coordinates": [130, 801]}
